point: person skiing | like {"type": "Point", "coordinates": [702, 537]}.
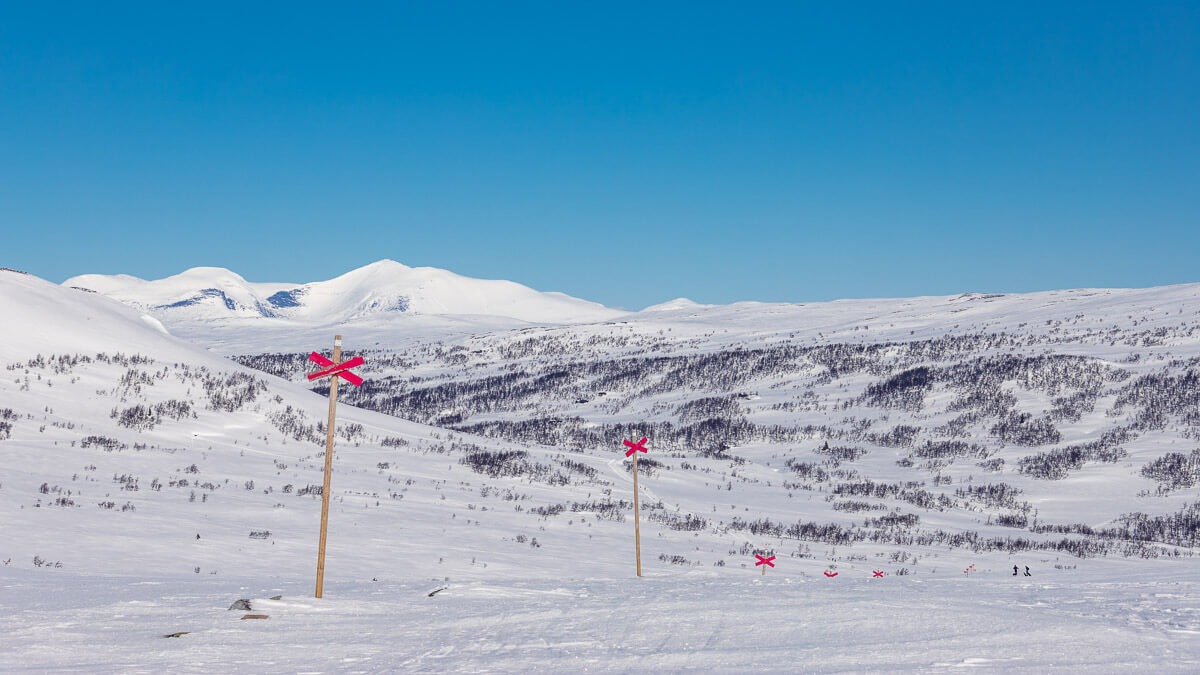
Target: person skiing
{"type": "Point", "coordinates": [1027, 571]}
{"type": "Point", "coordinates": [1014, 570]}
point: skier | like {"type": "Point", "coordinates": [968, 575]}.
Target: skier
{"type": "Point", "coordinates": [1027, 571]}
{"type": "Point", "coordinates": [1014, 570]}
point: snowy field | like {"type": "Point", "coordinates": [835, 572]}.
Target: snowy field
{"type": "Point", "coordinates": [1067, 621]}
{"type": "Point", "coordinates": [147, 483]}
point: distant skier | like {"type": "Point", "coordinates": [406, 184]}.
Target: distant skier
{"type": "Point", "coordinates": [1027, 571]}
{"type": "Point", "coordinates": [1014, 570]}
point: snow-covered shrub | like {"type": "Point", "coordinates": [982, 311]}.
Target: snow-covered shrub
{"type": "Point", "coordinates": [512, 463]}
{"type": "Point", "coordinates": [949, 450]}
{"type": "Point", "coordinates": [1175, 470]}
{"type": "Point", "coordinates": [1024, 429]}
{"type": "Point", "coordinates": [839, 454]}
{"type": "Point", "coordinates": [1057, 464]}
{"type": "Point", "coordinates": [107, 444]}
{"type": "Point", "coordinates": [905, 390]}
{"type": "Point", "coordinates": [899, 436]}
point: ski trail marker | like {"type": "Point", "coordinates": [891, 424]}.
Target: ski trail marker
{"type": "Point", "coordinates": [635, 447]}
{"type": "Point", "coordinates": [637, 524]}
{"type": "Point", "coordinates": [765, 562]}
{"type": "Point", "coordinates": [333, 370]}
{"type": "Point", "coordinates": [341, 369]}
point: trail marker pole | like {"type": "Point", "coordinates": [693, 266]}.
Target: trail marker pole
{"type": "Point", "coordinates": [335, 369]}
{"type": "Point", "coordinates": [765, 562]}
{"type": "Point", "coordinates": [637, 524]}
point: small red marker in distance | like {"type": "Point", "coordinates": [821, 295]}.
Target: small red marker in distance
{"type": "Point", "coordinates": [878, 573]}
{"type": "Point", "coordinates": [765, 562]}
{"type": "Point", "coordinates": [831, 575]}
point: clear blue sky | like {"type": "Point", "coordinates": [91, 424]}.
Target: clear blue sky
{"type": "Point", "coordinates": [624, 153]}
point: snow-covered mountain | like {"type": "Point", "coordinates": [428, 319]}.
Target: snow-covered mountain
{"type": "Point", "coordinates": [676, 304]}
{"type": "Point", "coordinates": [898, 457]}
{"type": "Point", "coordinates": [384, 288]}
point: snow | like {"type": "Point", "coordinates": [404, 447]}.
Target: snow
{"type": "Point", "coordinates": [43, 318]}
{"type": "Point", "coordinates": [526, 592]}
{"type": "Point", "coordinates": [676, 304]}
{"type": "Point", "coordinates": [385, 288]}
{"type": "Point", "coordinates": [693, 621]}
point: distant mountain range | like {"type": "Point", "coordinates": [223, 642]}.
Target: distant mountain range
{"type": "Point", "coordinates": [379, 289]}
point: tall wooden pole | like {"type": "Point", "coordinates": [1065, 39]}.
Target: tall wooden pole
{"type": "Point", "coordinates": [333, 387]}
{"type": "Point", "coordinates": [637, 521]}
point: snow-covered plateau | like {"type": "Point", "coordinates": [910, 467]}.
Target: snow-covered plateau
{"type": "Point", "coordinates": [1008, 482]}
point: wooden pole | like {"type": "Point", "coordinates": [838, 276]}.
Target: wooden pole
{"type": "Point", "coordinates": [333, 387]}
{"type": "Point", "coordinates": [637, 524]}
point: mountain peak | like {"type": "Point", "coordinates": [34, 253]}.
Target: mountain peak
{"type": "Point", "coordinates": [209, 273]}
{"type": "Point", "coordinates": [676, 304]}
{"type": "Point", "coordinates": [384, 287]}
{"type": "Point", "coordinates": [386, 264]}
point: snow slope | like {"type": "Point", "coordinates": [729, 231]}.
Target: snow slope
{"type": "Point", "coordinates": [1017, 419]}
{"type": "Point", "coordinates": [43, 318]}
{"type": "Point", "coordinates": [381, 288]}
{"type": "Point", "coordinates": [146, 483]}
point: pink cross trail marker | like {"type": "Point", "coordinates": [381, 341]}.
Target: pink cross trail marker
{"type": "Point", "coordinates": [764, 561]}
{"type": "Point", "coordinates": [637, 520]}
{"type": "Point", "coordinates": [339, 370]}
{"type": "Point", "coordinates": [877, 573]}
{"type": "Point", "coordinates": [333, 368]}
{"type": "Point", "coordinates": [831, 575]}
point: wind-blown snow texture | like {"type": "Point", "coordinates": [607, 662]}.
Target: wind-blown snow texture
{"type": "Point", "coordinates": [148, 482]}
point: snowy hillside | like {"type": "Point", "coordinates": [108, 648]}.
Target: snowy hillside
{"type": "Point", "coordinates": [898, 457]}
{"type": "Point", "coordinates": [999, 422]}
{"type": "Point", "coordinates": [117, 437]}
{"type": "Point", "coordinates": [384, 288]}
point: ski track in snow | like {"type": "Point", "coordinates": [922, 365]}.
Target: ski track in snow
{"type": "Point", "coordinates": [688, 621]}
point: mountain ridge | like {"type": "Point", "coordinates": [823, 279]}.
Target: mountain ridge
{"type": "Point", "coordinates": [382, 288]}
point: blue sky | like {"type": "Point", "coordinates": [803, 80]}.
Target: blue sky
{"type": "Point", "coordinates": [624, 153]}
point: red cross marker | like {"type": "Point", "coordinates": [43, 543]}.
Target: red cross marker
{"type": "Point", "coordinates": [831, 575]}
{"type": "Point", "coordinates": [637, 519]}
{"type": "Point", "coordinates": [334, 368]}
{"type": "Point", "coordinates": [877, 573]}
{"type": "Point", "coordinates": [764, 561]}
{"type": "Point", "coordinates": [634, 447]}
{"type": "Point", "coordinates": [339, 369]}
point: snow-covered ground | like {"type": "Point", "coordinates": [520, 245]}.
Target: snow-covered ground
{"type": "Point", "coordinates": [146, 483]}
{"type": "Point", "coordinates": [1103, 619]}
